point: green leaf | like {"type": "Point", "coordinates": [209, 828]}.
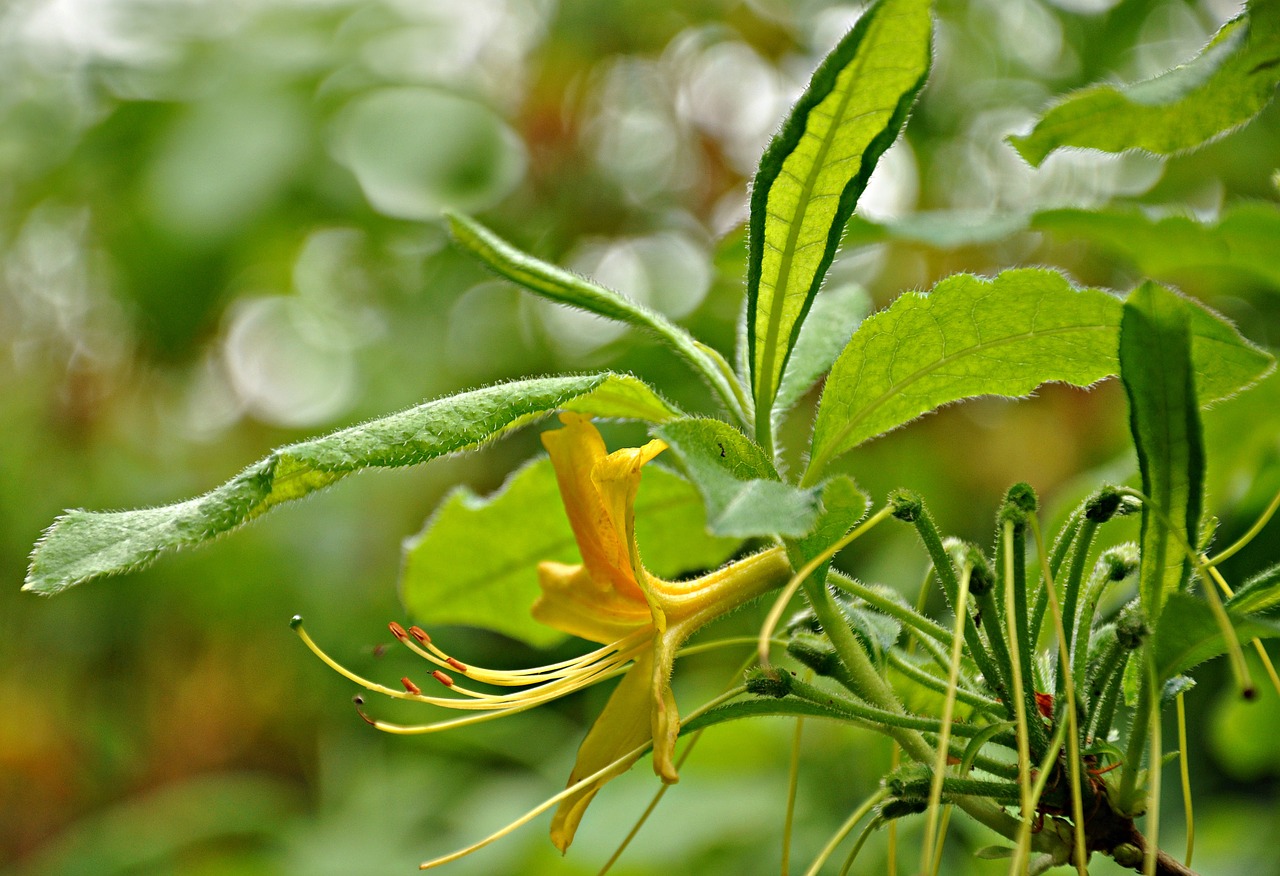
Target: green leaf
{"type": "Point", "coordinates": [744, 495]}
{"type": "Point", "coordinates": [564, 287]}
{"type": "Point", "coordinates": [743, 491]}
{"type": "Point", "coordinates": [970, 336]}
{"type": "Point", "coordinates": [1259, 594]}
{"type": "Point", "coordinates": [974, 336]}
{"type": "Point", "coordinates": [815, 169]}
{"type": "Point", "coordinates": [1243, 239]}
{"type": "Point", "coordinates": [1226, 85]}
{"type": "Point", "coordinates": [843, 505]}
{"type": "Point", "coordinates": [1164, 417]}
{"type": "Point", "coordinates": [1188, 634]}
{"type": "Point", "coordinates": [81, 545]}
{"type": "Point", "coordinates": [835, 314]}
{"type": "Point", "coordinates": [475, 561]}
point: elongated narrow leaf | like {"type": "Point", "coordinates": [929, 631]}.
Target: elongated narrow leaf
{"type": "Point", "coordinates": [1225, 86]}
{"type": "Point", "coordinates": [81, 545]}
{"type": "Point", "coordinates": [973, 336]}
{"type": "Point", "coordinates": [814, 171]}
{"type": "Point", "coordinates": [475, 562]}
{"type": "Point", "coordinates": [1243, 240]}
{"type": "Point", "coordinates": [970, 336]}
{"type": "Point", "coordinates": [836, 313]}
{"type": "Point", "coordinates": [743, 492]}
{"type": "Point", "coordinates": [1164, 417]}
{"type": "Point", "coordinates": [564, 287]}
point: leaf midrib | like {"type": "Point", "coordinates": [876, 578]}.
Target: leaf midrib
{"type": "Point", "coordinates": [865, 412]}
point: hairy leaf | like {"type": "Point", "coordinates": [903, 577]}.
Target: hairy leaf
{"type": "Point", "coordinates": [970, 336]}
{"type": "Point", "coordinates": [475, 561]}
{"type": "Point", "coordinates": [743, 492]}
{"type": "Point", "coordinates": [1164, 417]}
{"type": "Point", "coordinates": [81, 545]}
{"type": "Point", "coordinates": [565, 287]}
{"type": "Point", "coordinates": [1243, 239]}
{"type": "Point", "coordinates": [1223, 87]}
{"type": "Point", "coordinates": [973, 336]}
{"type": "Point", "coordinates": [1259, 594]}
{"type": "Point", "coordinates": [814, 171]}
{"type": "Point", "coordinates": [1188, 634]}
{"type": "Point", "coordinates": [836, 313]}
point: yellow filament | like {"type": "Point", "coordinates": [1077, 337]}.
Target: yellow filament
{"type": "Point", "coordinates": [475, 700]}
{"type": "Point", "coordinates": [1069, 690]}
{"type": "Point", "coordinates": [931, 853]}
{"type": "Point", "coordinates": [1186, 777]}
{"type": "Point", "coordinates": [572, 789]}
{"type": "Point", "coordinates": [1248, 536]}
{"type": "Point", "coordinates": [845, 829]}
{"type": "Point", "coordinates": [525, 677]}
{"type": "Point", "coordinates": [780, 604]}
{"type": "Point", "coordinates": [1257, 643]}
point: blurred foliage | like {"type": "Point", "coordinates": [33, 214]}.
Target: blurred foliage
{"type": "Point", "coordinates": [218, 235]}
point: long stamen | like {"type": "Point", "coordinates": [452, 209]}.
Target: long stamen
{"type": "Point", "coordinates": [603, 773]}
{"type": "Point", "coordinates": [415, 639]}
{"type": "Point", "coordinates": [614, 658]}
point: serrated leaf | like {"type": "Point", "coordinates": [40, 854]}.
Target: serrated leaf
{"type": "Point", "coordinates": [81, 545]}
{"type": "Point", "coordinates": [835, 314]}
{"type": "Point", "coordinates": [1242, 239]}
{"type": "Point", "coordinates": [1223, 87]}
{"type": "Point", "coordinates": [814, 170]}
{"type": "Point", "coordinates": [1188, 634]}
{"type": "Point", "coordinates": [564, 287]}
{"type": "Point", "coordinates": [744, 495]}
{"type": "Point", "coordinates": [975, 336]}
{"type": "Point", "coordinates": [475, 561]}
{"type": "Point", "coordinates": [1164, 418]}
{"type": "Point", "coordinates": [970, 336]}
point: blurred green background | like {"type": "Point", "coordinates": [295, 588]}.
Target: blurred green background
{"type": "Point", "coordinates": [218, 234]}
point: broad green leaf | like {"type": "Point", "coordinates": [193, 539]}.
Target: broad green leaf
{"type": "Point", "coordinates": [815, 169]}
{"type": "Point", "coordinates": [1243, 239]}
{"type": "Point", "coordinates": [835, 314]}
{"type": "Point", "coordinates": [568, 288]}
{"type": "Point", "coordinates": [744, 495]}
{"type": "Point", "coordinates": [970, 336]}
{"type": "Point", "coordinates": [81, 545]}
{"type": "Point", "coordinates": [1188, 634]}
{"type": "Point", "coordinates": [475, 561]}
{"type": "Point", "coordinates": [1225, 86]}
{"type": "Point", "coordinates": [973, 336]}
{"type": "Point", "coordinates": [1164, 417]}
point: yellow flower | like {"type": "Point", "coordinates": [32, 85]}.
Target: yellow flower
{"type": "Point", "coordinates": [608, 598]}
{"type": "Point", "coordinates": [611, 596]}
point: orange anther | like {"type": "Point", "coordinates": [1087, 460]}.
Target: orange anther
{"type": "Point", "coordinates": [443, 678]}
{"type": "Point", "coordinates": [456, 664]}
{"type": "Point", "coordinates": [411, 687]}
{"type": "Point", "coordinates": [420, 634]}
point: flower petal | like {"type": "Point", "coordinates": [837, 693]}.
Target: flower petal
{"type": "Point", "coordinates": [576, 603]}
{"type": "Point", "coordinates": [623, 726]}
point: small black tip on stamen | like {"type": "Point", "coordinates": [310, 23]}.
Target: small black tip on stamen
{"type": "Point", "coordinates": [295, 622]}
{"type": "Point", "coordinates": [358, 700]}
{"type": "Point", "coordinates": [1249, 693]}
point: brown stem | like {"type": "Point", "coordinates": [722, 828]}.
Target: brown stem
{"type": "Point", "coordinates": [1132, 852]}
